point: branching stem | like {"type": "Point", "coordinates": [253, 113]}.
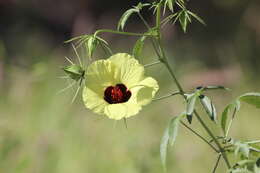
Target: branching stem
{"type": "Point", "coordinates": [201, 137]}
{"type": "Point", "coordinates": [153, 63]}
{"type": "Point", "coordinates": [166, 96]}
{"type": "Point", "coordinates": [120, 32]}
{"type": "Point", "coordinates": [166, 63]}
{"type": "Point", "coordinates": [217, 162]}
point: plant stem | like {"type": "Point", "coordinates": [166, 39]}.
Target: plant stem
{"type": "Point", "coordinates": [216, 165]}
{"type": "Point", "coordinates": [166, 63]}
{"type": "Point", "coordinates": [152, 38]}
{"type": "Point", "coordinates": [253, 142]}
{"type": "Point", "coordinates": [144, 21]}
{"type": "Point", "coordinates": [153, 63]}
{"type": "Point", "coordinates": [201, 137]}
{"type": "Point", "coordinates": [166, 96]}
{"type": "Point", "coordinates": [213, 138]}
{"type": "Point", "coordinates": [231, 121]}
{"type": "Point", "coordinates": [120, 32]}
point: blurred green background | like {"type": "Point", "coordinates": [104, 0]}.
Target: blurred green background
{"type": "Point", "coordinates": [41, 132]}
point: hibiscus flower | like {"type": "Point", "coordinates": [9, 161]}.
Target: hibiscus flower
{"type": "Point", "coordinates": [117, 87]}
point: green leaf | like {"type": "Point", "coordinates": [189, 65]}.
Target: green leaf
{"type": "Point", "coordinates": [256, 169]}
{"type": "Point", "coordinates": [242, 148]}
{"type": "Point", "coordinates": [169, 4]}
{"type": "Point", "coordinates": [224, 117]}
{"type": "Point", "coordinates": [74, 71]}
{"type": "Point", "coordinates": [209, 107]}
{"type": "Point", "coordinates": [258, 162]}
{"type": "Point", "coordinates": [251, 98]}
{"type": "Point", "coordinates": [173, 128]}
{"type": "Point", "coordinates": [196, 17]}
{"type": "Point", "coordinates": [169, 136]}
{"type": "Point", "coordinates": [163, 148]}
{"type": "Point", "coordinates": [91, 45]}
{"type": "Point", "coordinates": [141, 5]}
{"type": "Point", "coordinates": [138, 47]}
{"type": "Point", "coordinates": [124, 18]}
{"type": "Point", "coordinates": [183, 20]}
{"type": "Point", "coordinates": [191, 101]}
{"type": "Point", "coordinates": [213, 87]}
{"type": "Point", "coordinates": [245, 162]}
{"type": "Point", "coordinates": [103, 43]}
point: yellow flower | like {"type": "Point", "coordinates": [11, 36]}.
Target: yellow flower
{"type": "Point", "coordinates": [117, 87]}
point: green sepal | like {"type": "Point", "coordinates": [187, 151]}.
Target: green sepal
{"type": "Point", "coordinates": [74, 71]}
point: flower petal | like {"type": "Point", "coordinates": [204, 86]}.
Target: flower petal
{"type": "Point", "coordinates": [99, 75]}
{"type": "Point", "coordinates": [93, 101]}
{"type": "Point", "coordinates": [116, 111]}
{"type": "Point", "coordinates": [146, 90]}
{"type": "Point", "coordinates": [128, 70]}
{"type": "Point", "coordinates": [132, 108]}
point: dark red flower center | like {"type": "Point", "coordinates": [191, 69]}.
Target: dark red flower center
{"type": "Point", "coordinates": [117, 94]}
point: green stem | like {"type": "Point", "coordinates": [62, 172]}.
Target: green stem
{"type": "Point", "coordinates": [201, 137]}
{"type": "Point", "coordinates": [120, 32]}
{"type": "Point", "coordinates": [151, 64]}
{"type": "Point", "coordinates": [144, 21]}
{"type": "Point", "coordinates": [165, 61]}
{"type": "Point", "coordinates": [231, 121]}
{"type": "Point", "coordinates": [221, 149]}
{"type": "Point", "coordinates": [149, 28]}
{"type": "Point", "coordinates": [166, 96]}
{"type": "Point", "coordinates": [253, 142]}
{"type": "Point", "coordinates": [216, 165]}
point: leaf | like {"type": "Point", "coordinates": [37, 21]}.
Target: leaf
{"type": "Point", "coordinates": [138, 47]}
{"type": "Point", "coordinates": [209, 107]}
{"type": "Point", "coordinates": [141, 5]}
{"type": "Point", "coordinates": [163, 148]}
{"type": "Point", "coordinates": [74, 71]}
{"type": "Point", "coordinates": [213, 87]}
{"type": "Point", "coordinates": [258, 162]}
{"type": "Point", "coordinates": [244, 162]}
{"type": "Point", "coordinates": [169, 136]}
{"type": "Point", "coordinates": [191, 101]}
{"type": "Point", "coordinates": [251, 98]}
{"type": "Point", "coordinates": [224, 117]}
{"type": "Point", "coordinates": [242, 148]}
{"type": "Point", "coordinates": [169, 4]}
{"type": "Point", "coordinates": [91, 45]}
{"type": "Point", "coordinates": [256, 169]}
{"type": "Point", "coordinates": [183, 20]}
{"type": "Point", "coordinates": [189, 118]}
{"type": "Point", "coordinates": [124, 18]}
{"type": "Point", "coordinates": [104, 45]}
{"type": "Point", "coordinates": [196, 17]}
{"type": "Point", "coordinates": [173, 128]}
